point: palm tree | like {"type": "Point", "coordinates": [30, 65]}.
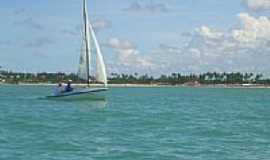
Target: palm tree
{"type": "Point", "coordinates": [258, 77]}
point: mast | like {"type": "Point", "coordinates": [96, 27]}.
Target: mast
{"type": "Point", "coordinates": [87, 40]}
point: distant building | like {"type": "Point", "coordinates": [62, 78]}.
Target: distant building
{"type": "Point", "coordinates": [192, 84]}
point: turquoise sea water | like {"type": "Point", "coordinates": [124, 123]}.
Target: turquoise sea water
{"type": "Point", "coordinates": [136, 123]}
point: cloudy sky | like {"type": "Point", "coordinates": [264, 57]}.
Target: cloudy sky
{"type": "Point", "coordinates": [144, 36]}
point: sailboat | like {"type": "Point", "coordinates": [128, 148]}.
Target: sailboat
{"type": "Point", "coordinates": [88, 36]}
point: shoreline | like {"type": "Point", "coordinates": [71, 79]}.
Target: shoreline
{"type": "Point", "coordinates": [151, 85]}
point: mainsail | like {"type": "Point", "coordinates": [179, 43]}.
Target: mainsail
{"type": "Point", "coordinates": [85, 54]}
{"type": "Point", "coordinates": [85, 57]}
{"type": "Point", "coordinates": [82, 73]}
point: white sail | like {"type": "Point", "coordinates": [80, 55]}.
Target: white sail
{"type": "Point", "coordinates": [101, 75]}
{"type": "Point", "coordinates": [82, 73]}
{"type": "Point", "coordinates": [84, 67]}
{"type": "Point", "coordinates": [88, 34]}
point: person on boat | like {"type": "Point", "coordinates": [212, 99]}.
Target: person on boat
{"type": "Point", "coordinates": [59, 89]}
{"type": "Point", "coordinates": [68, 87]}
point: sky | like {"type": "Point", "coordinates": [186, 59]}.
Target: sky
{"type": "Point", "coordinates": [142, 36]}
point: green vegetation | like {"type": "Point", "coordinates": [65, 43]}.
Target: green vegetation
{"type": "Point", "coordinates": [178, 79]}
{"type": "Point", "coordinates": [114, 78]}
{"type": "Point", "coordinates": [14, 77]}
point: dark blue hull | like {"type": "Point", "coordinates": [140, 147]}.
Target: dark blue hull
{"type": "Point", "coordinates": [84, 93]}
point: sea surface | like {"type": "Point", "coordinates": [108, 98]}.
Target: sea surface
{"type": "Point", "coordinates": [135, 124]}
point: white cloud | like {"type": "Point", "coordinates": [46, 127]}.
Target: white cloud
{"type": "Point", "coordinates": [99, 24]}
{"type": "Point", "coordinates": [252, 28]}
{"type": "Point", "coordinates": [257, 4]}
{"type": "Point", "coordinates": [119, 44]}
{"type": "Point", "coordinates": [209, 33]}
{"type": "Point", "coordinates": [129, 56]}
{"type": "Point", "coordinates": [245, 48]}
{"type": "Point", "coordinates": [152, 7]}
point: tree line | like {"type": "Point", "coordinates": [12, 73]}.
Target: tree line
{"type": "Point", "coordinates": [204, 78]}
{"type": "Point", "coordinates": [115, 78]}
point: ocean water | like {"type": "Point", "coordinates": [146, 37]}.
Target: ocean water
{"type": "Point", "coordinates": [136, 123]}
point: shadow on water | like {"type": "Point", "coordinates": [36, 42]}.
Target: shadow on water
{"type": "Point", "coordinates": [97, 103]}
{"type": "Point", "coordinates": [74, 99]}
{"type": "Point", "coordinates": [92, 100]}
